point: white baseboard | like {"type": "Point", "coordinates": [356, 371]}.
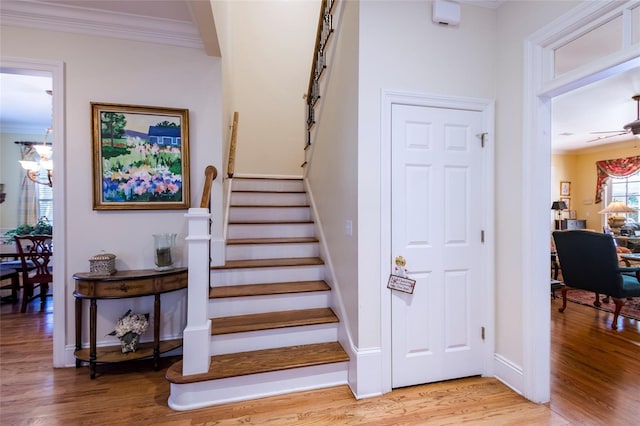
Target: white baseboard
{"type": "Point", "coordinates": [362, 381]}
{"type": "Point", "coordinates": [509, 373]}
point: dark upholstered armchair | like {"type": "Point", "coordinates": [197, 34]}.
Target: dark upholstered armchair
{"type": "Point", "coordinates": [589, 261]}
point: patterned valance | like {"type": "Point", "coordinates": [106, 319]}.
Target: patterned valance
{"type": "Point", "coordinates": [619, 168]}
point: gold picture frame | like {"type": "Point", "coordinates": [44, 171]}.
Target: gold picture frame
{"type": "Point", "coordinates": [140, 157]}
{"type": "Point", "coordinates": [565, 188]}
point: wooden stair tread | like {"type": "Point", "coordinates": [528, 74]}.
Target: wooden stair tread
{"type": "Point", "coordinates": [266, 263]}
{"type": "Point", "coordinates": [268, 222]}
{"type": "Point", "coordinates": [268, 191]}
{"type": "Point", "coordinates": [267, 206]}
{"type": "Point", "coordinates": [272, 320]}
{"type": "Point", "coordinates": [267, 289]}
{"type": "Point", "coordinates": [291, 240]}
{"type": "Point", "coordinates": [262, 361]}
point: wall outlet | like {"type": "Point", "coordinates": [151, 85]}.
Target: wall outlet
{"type": "Point", "coordinates": [348, 228]}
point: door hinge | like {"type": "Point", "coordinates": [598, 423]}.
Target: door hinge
{"type": "Point", "coordinates": [482, 138]}
{"type": "Point", "coordinates": [482, 332]}
{"type": "Point", "coordinates": [482, 236]}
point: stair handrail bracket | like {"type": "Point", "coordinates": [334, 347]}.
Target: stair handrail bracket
{"type": "Point", "coordinates": [197, 333]}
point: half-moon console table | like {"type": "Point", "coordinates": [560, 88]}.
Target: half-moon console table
{"type": "Point", "coordinates": [120, 285]}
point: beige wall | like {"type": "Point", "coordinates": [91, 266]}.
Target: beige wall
{"type": "Point", "coordinates": [562, 170]}
{"type": "Point", "coordinates": [580, 170]}
{"type": "Point", "coordinates": [270, 52]}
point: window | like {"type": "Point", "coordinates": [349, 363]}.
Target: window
{"type": "Point", "coordinates": [44, 195]}
{"type": "Point", "coordinates": [626, 190]}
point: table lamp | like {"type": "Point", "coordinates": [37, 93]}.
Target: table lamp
{"type": "Point", "coordinates": [616, 221]}
{"type": "Point", "coordinates": [558, 206]}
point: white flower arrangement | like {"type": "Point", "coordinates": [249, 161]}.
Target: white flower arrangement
{"type": "Point", "coordinates": [129, 328]}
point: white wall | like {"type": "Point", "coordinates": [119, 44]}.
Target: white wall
{"type": "Point", "coordinates": [332, 170]}
{"type": "Point", "coordinates": [402, 50]}
{"type": "Point", "coordinates": [99, 69]}
{"type": "Point", "coordinates": [271, 48]}
{"type": "Point", "coordinates": [516, 21]}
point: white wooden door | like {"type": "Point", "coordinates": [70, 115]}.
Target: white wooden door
{"type": "Point", "coordinates": [436, 226]}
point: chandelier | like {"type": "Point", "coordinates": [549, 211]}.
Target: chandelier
{"type": "Point", "coordinates": [43, 162]}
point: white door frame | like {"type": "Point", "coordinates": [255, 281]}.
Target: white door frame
{"type": "Point", "coordinates": [59, 285]}
{"type": "Point", "coordinates": [486, 107]}
{"type": "Point", "coordinates": [539, 89]}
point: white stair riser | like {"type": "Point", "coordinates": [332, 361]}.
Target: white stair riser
{"type": "Point", "coordinates": [215, 392]}
{"type": "Point", "coordinates": [243, 214]}
{"type": "Point", "coordinates": [222, 277]}
{"type": "Point", "coordinates": [289, 230]}
{"type": "Point", "coordinates": [268, 199]}
{"type": "Point", "coordinates": [231, 306]}
{"type": "Point", "coordinates": [268, 339]}
{"type": "Point", "coordinates": [268, 184]}
{"type": "Point", "coordinates": [271, 251]}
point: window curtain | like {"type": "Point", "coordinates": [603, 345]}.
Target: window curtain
{"type": "Point", "coordinates": [27, 201]}
{"type": "Point", "coordinates": [619, 168]}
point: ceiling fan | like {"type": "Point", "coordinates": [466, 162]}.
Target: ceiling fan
{"type": "Point", "coordinates": [629, 128]}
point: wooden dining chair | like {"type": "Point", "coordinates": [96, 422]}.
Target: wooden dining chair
{"type": "Point", "coordinates": [35, 255]}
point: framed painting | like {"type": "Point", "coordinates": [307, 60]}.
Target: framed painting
{"type": "Point", "coordinates": [140, 157]}
{"type": "Point", "coordinates": [565, 189]}
{"type": "Point", "coordinates": [567, 201]}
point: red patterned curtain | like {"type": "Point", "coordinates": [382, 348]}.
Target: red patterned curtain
{"type": "Point", "coordinates": [619, 167]}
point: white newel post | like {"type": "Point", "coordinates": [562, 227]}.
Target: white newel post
{"type": "Point", "coordinates": [197, 334]}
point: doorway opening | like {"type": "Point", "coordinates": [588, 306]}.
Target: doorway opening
{"type": "Point", "coordinates": [54, 70]}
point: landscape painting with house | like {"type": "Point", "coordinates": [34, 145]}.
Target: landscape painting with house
{"type": "Point", "coordinates": [142, 157]}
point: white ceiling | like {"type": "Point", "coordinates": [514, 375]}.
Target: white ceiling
{"type": "Point", "coordinates": [602, 106]}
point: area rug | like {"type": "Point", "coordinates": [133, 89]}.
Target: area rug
{"type": "Point", "coordinates": [631, 308]}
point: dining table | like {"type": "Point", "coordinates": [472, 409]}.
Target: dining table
{"type": "Point", "coordinates": [9, 251]}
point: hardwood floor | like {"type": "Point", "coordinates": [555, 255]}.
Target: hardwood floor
{"type": "Point", "coordinates": [595, 381]}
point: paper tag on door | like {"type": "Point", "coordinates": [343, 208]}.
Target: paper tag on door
{"type": "Point", "coordinates": [403, 284]}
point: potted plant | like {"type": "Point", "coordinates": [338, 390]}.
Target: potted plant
{"type": "Point", "coordinates": [42, 227]}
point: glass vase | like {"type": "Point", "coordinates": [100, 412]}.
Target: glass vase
{"type": "Point", "coordinates": [163, 245]}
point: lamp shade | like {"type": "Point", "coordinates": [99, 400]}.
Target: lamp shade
{"type": "Point", "coordinates": [558, 205]}
{"type": "Point", "coordinates": [617, 207]}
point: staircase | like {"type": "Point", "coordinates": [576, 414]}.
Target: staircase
{"type": "Point", "coordinates": [272, 328]}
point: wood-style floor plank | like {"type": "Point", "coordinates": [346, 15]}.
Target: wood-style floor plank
{"type": "Point", "coordinates": [595, 381]}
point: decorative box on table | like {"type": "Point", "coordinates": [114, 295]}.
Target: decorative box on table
{"type": "Point", "coordinates": [103, 264]}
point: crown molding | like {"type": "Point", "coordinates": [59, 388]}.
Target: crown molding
{"type": "Point", "coordinates": [489, 4]}
{"type": "Point", "coordinates": [79, 20]}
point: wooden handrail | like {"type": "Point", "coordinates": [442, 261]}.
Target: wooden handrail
{"type": "Point", "coordinates": [210, 174]}
{"type": "Point", "coordinates": [323, 34]}
{"type": "Point", "coordinates": [232, 146]}
{"type": "Point", "coordinates": [316, 48]}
